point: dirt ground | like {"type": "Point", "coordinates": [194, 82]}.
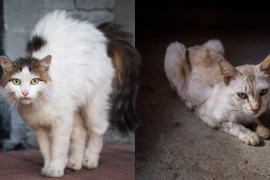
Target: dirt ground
{"type": "Point", "coordinates": [172, 142]}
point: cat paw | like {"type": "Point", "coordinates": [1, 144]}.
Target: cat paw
{"type": "Point", "coordinates": [250, 138]}
{"type": "Point", "coordinates": [263, 132]}
{"type": "Point", "coordinates": [213, 124]}
{"type": "Point", "coordinates": [74, 165]}
{"type": "Point", "coordinates": [43, 171]}
{"type": "Point", "coordinates": [90, 162]}
{"type": "Point", "coordinates": [53, 171]}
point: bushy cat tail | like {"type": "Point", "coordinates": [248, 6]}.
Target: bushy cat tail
{"type": "Point", "coordinates": [177, 66]}
{"type": "Point", "coordinates": [127, 61]}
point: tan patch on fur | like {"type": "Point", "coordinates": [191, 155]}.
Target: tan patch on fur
{"type": "Point", "coordinates": [117, 61]}
{"type": "Point", "coordinates": [227, 71]}
{"type": "Point", "coordinates": [41, 68]}
{"type": "Point", "coordinates": [9, 67]}
{"type": "Point", "coordinates": [254, 105]}
{"type": "Point", "coordinates": [262, 131]}
{"type": "Point", "coordinates": [265, 65]}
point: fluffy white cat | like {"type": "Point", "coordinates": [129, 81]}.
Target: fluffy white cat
{"type": "Point", "coordinates": [224, 97]}
{"type": "Point", "coordinates": [71, 75]}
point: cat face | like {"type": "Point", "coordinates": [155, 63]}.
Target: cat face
{"type": "Point", "coordinates": [25, 80]}
{"type": "Point", "coordinates": [248, 86]}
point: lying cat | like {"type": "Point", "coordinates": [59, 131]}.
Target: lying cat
{"type": "Point", "coordinates": [224, 97]}
{"type": "Point", "coordinates": [74, 75]}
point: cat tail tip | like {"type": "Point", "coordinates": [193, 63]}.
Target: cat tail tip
{"type": "Point", "coordinates": [216, 45]}
{"type": "Point", "coordinates": [176, 65]}
{"type": "Point", "coordinates": [127, 62]}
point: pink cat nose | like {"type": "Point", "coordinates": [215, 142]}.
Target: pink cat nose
{"type": "Point", "coordinates": [25, 93]}
{"type": "Point", "coordinates": [256, 110]}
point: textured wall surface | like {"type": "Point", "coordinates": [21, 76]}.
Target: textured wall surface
{"type": "Point", "coordinates": [22, 15]}
{"type": "Point", "coordinates": [124, 14]}
{"type": "Point", "coordinates": [20, 18]}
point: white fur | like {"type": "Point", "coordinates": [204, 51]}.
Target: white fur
{"type": "Point", "coordinates": [81, 74]}
{"type": "Point", "coordinates": [175, 58]}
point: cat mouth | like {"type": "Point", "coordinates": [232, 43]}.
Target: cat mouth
{"type": "Point", "coordinates": [25, 100]}
{"type": "Point", "coordinates": [256, 114]}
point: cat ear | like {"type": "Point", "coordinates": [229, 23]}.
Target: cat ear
{"type": "Point", "coordinates": [7, 64]}
{"type": "Point", "coordinates": [265, 65]}
{"type": "Point", "coordinates": [44, 64]}
{"type": "Point", "coordinates": [228, 72]}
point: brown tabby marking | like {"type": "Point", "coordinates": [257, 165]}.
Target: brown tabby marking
{"type": "Point", "coordinates": [228, 71]}
{"type": "Point", "coordinates": [126, 61]}
{"type": "Point", "coordinates": [38, 67]}
{"type": "Point", "coordinates": [35, 44]}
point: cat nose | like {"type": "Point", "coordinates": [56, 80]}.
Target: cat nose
{"type": "Point", "coordinates": [256, 110]}
{"type": "Point", "coordinates": [25, 93]}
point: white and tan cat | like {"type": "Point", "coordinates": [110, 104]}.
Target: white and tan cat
{"type": "Point", "coordinates": [74, 78]}
{"type": "Point", "coordinates": [223, 96]}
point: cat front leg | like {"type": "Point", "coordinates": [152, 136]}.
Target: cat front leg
{"type": "Point", "coordinates": [60, 140]}
{"type": "Point", "coordinates": [207, 118]}
{"type": "Point", "coordinates": [238, 130]}
{"type": "Point", "coordinates": [42, 135]}
{"type": "Point", "coordinates": [260, 129]}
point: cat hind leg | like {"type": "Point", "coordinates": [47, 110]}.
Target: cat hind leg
{"type": "Point", "coordinates": [260, 129]}
{"type": "Point", "coordinates": [77, 143]}
{"type": "Point", "coordinates": [215, 45]}
{"type": "Point", "coordinates": [96, 115]}
{"type": "Point", "coordinates": [177, 67]}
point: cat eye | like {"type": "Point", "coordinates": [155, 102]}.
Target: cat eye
{"type": "Point", "coordinates": [263, 92]}
{"type": "Point", "coordinates": [16, 81]}
{"type": "Point", "coordinates": [34, 81]}
{"type": "Point", "coordinates": [242, 95]}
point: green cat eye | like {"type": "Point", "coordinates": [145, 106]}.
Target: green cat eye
{"type": "Point", "coordinates": [34, 81]}
{"type": "Point", "coordinates": [242, 95]}
{"type": "Point", "coordinates": [16, 81]}
{"type": "Point", "coordinates": [263, 92]}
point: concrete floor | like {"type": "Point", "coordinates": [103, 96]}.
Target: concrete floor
{"type": "Point", "coordinates": [172, 142]}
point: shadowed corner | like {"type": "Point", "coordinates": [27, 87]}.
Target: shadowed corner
{"type": "Point", "coordinates": [4, 117]}
{"type": "Point", "coordinates": [265, 120]}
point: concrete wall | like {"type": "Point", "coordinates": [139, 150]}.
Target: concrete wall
{"type": "Point", "coordinates": [20, 18]}
{"type": "Point", "coordinates": [124, 14]}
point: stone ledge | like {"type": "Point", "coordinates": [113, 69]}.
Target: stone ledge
{"type": "Point", "coordinates": [94, 4]}
{"type": "Point", "coordinates": [95, 17]}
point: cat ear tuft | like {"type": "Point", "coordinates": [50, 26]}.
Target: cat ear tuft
{"type": "Point", "coordinates": [228, 72]}
{"type": "Point", "coordinates": [7, 64]}
{"type": "Point", "coordinates": [265, 65]}
{"type": "Point", "coordinates": [44, 64]}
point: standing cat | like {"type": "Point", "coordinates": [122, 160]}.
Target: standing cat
{"type": "Point", "coordinates": [71, 75]}
{"type": "Point", "coordinates": [224, 97]}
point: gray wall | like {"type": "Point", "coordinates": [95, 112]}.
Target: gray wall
{"type": "Point", "coordinates": [124, 14]}
{"type": "Point", "coordinates": [20, 18]}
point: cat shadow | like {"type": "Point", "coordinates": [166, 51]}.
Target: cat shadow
{"type": "Point", "coordinates": [261, 144]}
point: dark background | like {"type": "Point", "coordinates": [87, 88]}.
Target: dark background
{"type": "Point", "coordinates": [244, 30]}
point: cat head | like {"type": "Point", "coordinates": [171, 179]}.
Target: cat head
{"type": "Point", "coordinates": [25, 80]}
{"type": "Point", "coordinates": [248, 85]}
